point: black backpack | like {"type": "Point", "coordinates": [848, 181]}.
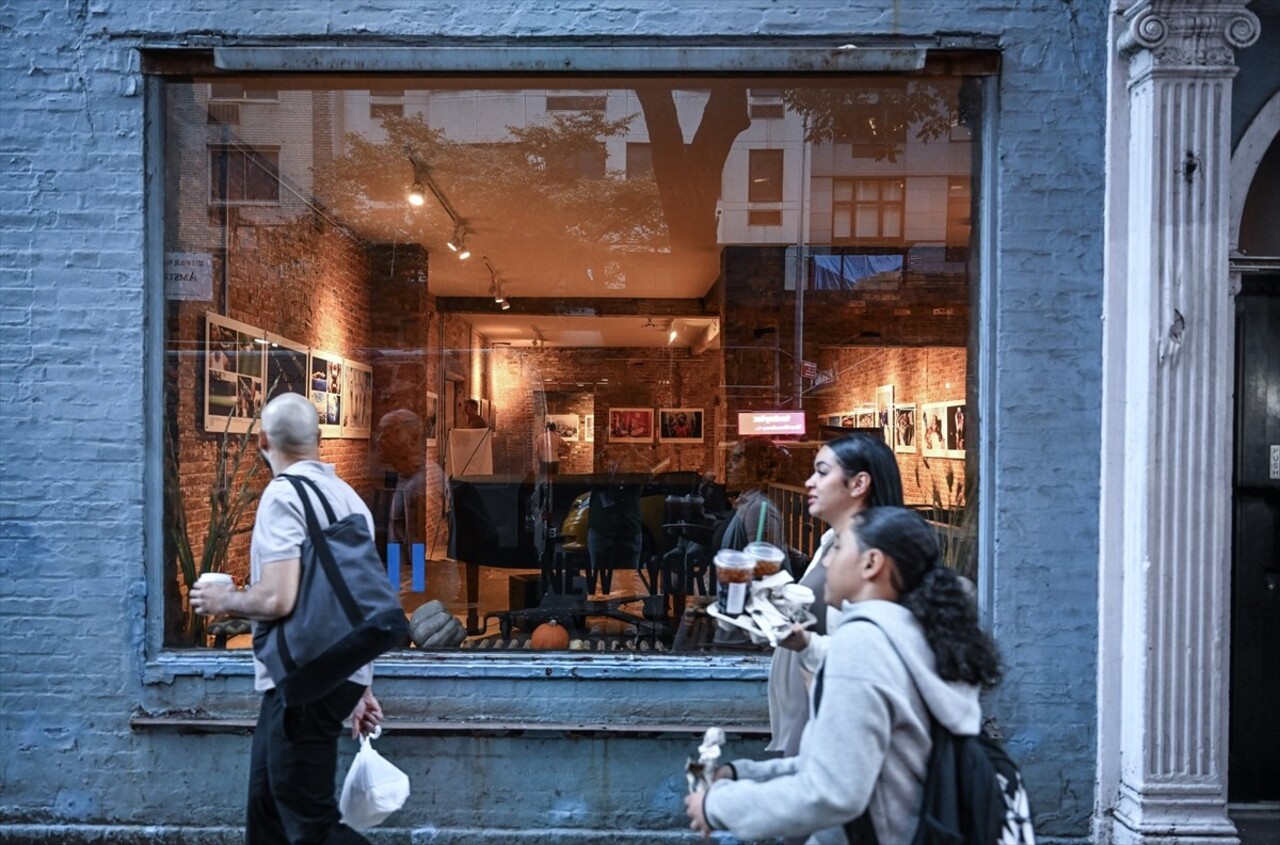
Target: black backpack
{"type": "Point", "coordinates": [346, 614]}
{"type": "Point", "coordinates": [973, 791]}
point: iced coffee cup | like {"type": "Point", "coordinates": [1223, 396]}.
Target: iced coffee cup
{"type": "Point", "coordinates": [734, 571]}
{"type": "Point", "coordinates": [215, 578]}
{"type": "Point", "coordinates": [768, 558]}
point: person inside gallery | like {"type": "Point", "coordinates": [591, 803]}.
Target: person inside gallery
{"type": "Point", "coordinates": [548, 449]}
{"type": "Point", "coordinates": [471, 413]}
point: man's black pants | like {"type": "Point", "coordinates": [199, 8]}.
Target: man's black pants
{"type": "Point", "coordinates": [292, 771]}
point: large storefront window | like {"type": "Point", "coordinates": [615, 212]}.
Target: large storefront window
{"type": "Point", "coordinates": [554, 330]}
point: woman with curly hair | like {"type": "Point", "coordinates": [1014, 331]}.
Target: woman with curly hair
{"type": "Point", "coordinates": [908, 649]}
{"type": "Point", "coordinates": [850, 474]}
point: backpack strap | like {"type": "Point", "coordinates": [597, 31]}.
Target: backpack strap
{"type": "Point", "coordinates": [321, 544]}
{"type": "Point", "coordinates": [315, 488]}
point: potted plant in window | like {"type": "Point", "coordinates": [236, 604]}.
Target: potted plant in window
{"type": "Point", "coordinates": [231, 492]}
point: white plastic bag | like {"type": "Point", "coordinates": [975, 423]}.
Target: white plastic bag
{"type": "Point", "coordinates": [373, 790]}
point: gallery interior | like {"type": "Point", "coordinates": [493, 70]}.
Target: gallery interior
{"type": "Point", "coordinates": [661, 268]}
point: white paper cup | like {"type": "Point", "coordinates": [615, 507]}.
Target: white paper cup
{"type": "Point", "coordinates": [215, 578]}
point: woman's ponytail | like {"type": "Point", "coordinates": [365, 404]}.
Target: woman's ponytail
{"type": "Point", "coordinates": [934, 594]}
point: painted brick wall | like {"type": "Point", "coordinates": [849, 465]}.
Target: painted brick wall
{"type": "Point", "coordinates": [75, 453]}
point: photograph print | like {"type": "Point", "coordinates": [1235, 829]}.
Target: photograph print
{"type": "Point", "coordinates": [566, 425]}
{"type": "Point", "coordinates": [904, 430]}
{"type": "Point", "coordinates": [431, 425]}
{"type": "Point", "coordinates": [357, 399]}
{"type": "Point", "coordinates": [326, 391]}
{"type": "Point", "coordinates": [954, 426]}
{"type": "Point", "coordinates": [680, 425]}
{"type": "Point", "coordinates": [589, 428]}
{"type": "Point", "coordinates": [884, 411]}
{"type": "Point", "coordinates": [630, 425]}
{"type": "Point", "coordinates": [932, 430]}
{"type": "Point", "coordinates": [233, 374]}
{"type": "Point", "coordinates": [286, 367]}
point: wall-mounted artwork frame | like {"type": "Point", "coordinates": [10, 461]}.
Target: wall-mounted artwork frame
{"type": "Point", "coordinates": [234, 369]}
{"type": "Point", "coordinates": [431, 424]}
{"type": "Point", "coordinates": [325, 390]}
{"type": "Point", "coordinates": [931, 431]}
{"type": "Point", "coordinates": [286, 366]}
{"type": "Point", "coordinates": [954, 426]}
{"type": "Point", "coordinates": [904, 429]}
{"type": "Point", "coordinates": [884, 410]}
{"type": "Point", "coordinates": [630, 425]}
{"type": "Point", "coordinates": [357, 400]}
{"type": "Point", "coordinates": [588, 428]}
{"type": "Point", "coordinates": [566, 425]}
{"type": "Point", "coordinates": [680, 425]}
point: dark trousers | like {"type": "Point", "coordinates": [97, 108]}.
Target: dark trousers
{"type": "Point", "coordinates": [292, 771]}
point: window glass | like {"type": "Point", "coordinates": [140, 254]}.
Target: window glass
{"type": "Point", "coordinates": [553, 341]}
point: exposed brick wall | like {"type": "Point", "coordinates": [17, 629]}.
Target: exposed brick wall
{"type": "Point", "coordinates": [612, 378]}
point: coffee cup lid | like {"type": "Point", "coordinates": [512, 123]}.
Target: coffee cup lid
{"type": "Point", "coordinates": [732, 559]}
{"type": "Point", "coordinates": [766, 551]}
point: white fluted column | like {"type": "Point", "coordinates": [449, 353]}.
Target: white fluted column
{"type": "Point", "coordinates": [1176, 449]}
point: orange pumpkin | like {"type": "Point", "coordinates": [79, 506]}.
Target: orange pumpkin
{"type": "Point", "coordinates": [549, 635]}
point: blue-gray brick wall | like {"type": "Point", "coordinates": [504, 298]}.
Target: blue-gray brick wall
{"type": "Point", "coordinates": [73, 586]}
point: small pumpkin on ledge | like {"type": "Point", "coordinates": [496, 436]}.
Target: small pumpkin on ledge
{"type": "Point", "coordinates": [549, 635]}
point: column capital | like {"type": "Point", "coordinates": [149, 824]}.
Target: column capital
{"type": "Point", "coordinates": [1190, 34]}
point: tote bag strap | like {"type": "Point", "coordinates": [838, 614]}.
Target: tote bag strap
{"type": "Point", "coordinates": [321, 544]}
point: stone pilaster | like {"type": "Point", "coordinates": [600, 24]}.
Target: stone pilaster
{"type": "Point", "coordinates": [1176, 449]}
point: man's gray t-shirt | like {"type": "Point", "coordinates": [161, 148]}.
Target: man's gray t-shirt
{"type": "Point", "coordinates": [281, 526]}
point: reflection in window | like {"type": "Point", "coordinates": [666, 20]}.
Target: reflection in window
{"type": "Point", "coordinates": [625, 287]}
{"type": "Point", "coordinates": [243, 175]}
{"type": "Point", "coordinates": [765, 176]}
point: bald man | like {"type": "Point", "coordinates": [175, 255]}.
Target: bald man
{"type": "Point", "coordinates": [295, 749]}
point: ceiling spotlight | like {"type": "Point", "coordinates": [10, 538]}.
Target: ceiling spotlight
{"type": "Point", "coordinates": [417, 194]}
{"type": "Point", "coordinates": [463, 252]}
{"type": "Point", "coordinates": [505, 305]}
{"type": "Point", "coordinates": [671, 338]}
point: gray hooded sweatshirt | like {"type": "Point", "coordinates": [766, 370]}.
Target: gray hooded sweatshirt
{"type": "Point", "coordinates": [866, 743]}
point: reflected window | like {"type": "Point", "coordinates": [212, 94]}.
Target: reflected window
{"type": "Point", "coordinates": [765, 176]}
{"type": "Point", "coordinates": [566, 342]}
{"type": "Point", "coordinates": [244, 175]}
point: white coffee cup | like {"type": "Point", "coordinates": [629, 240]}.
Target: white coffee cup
{"type": "Point", "coordinates": [215, 578]}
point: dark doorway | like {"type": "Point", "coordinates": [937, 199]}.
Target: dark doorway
{"type": "Point", "coordinates": [1254, 775]}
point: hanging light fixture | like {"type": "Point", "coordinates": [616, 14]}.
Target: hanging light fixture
{"type": "Point", "coordinates": [417, 194]}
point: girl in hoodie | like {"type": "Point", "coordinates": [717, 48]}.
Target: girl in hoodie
{"type": "Point", "coordinates": [908, 648]}
{"type": "Point", "coordinates": [850, 474]}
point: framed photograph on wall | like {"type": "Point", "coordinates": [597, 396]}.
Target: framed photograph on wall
{"type": "Point", "coordinates": [357, 400]}
{"type": "Point", "coordinates": [589, 428]}
{"type": "Point", "coordinates": [630, 425]}
{"type": "Point", "coordinates": [954, 427]}
{"type": "Point", "coordinates": [932, 430]}
{"type": "Point", "coordinates": [679, 425]}
{"type": "Point", "coordinates": [286, 366]}
{"type": "Point", "coordinates": [566, 425]}
{"type": "Point", "coordinates": [234, 369]}
{"type": "Point", "coordinates": [326, 391]}
{"type": "Point", "coordinates": [904, 429]}
{"type": "Point", "coordinates": [431, 425]}
{"type": "Point", "coordinates": [884, 410]}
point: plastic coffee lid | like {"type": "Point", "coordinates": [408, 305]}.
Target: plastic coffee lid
{"type": "Point", "coordinates": [215, 577]}
{"type": "Point", "coordinates": [764, 551]}
{"type": "Point", "coordinates": [730, 559]}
